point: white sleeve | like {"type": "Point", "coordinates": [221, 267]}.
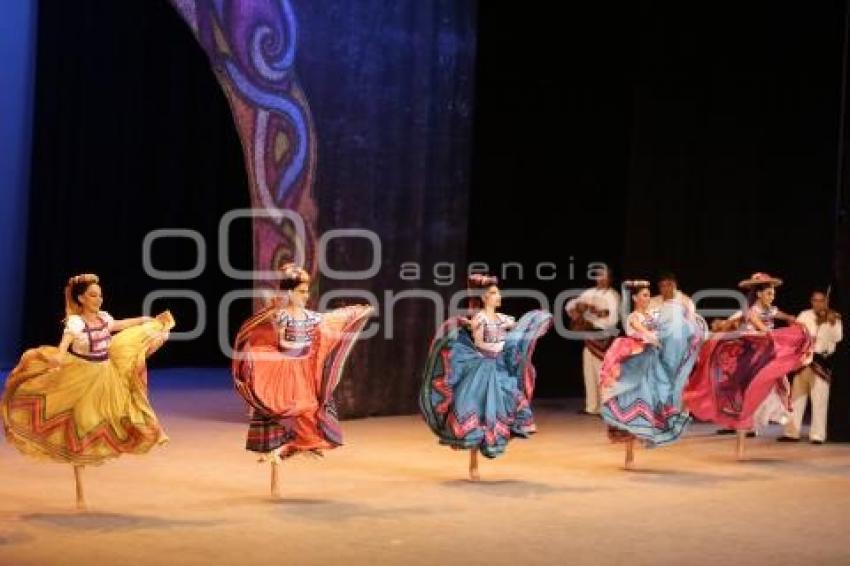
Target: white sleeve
{"type": "Point", "coordinates": [806, 318]}
{"type": "Point", "coordinates": [630, 330]}
{"type": "Point", "coordinates": [689, 303]}
{"type": "Point", "coordinates": [107, 318]}
{"type": "Point", "coordinates": [74, 325]}
{"type": "Point", "coordinates": [478, 328]}
{"type": "Point", "coordinates": [477, 319]}
{"type": "Point", "coordinates": [837, 331]}
{"type": "Point", "coordinates": [582, 298]}
{"type": "Point", "coordinates": [612, 303]}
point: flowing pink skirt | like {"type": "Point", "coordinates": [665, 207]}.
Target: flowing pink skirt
{"type": "Point", "coordinates": [736, 373]}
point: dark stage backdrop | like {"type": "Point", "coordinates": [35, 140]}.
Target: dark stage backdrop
{"type": "Point", "coordinates": [132, 134]}
{"type": "Point", "coordinates": [839, 404]}
{"type": "Point", "coordinates": [733, 165]}
{"type": "Point", "coordinates": [390, 85]}
{"type": "Point", "coordinates": [553, 116]}
{"type": "Point", "coordinates": [698, 138]}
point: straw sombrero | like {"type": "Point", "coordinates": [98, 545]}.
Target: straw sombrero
{"type": "Point", "coordinates": [757, 279]}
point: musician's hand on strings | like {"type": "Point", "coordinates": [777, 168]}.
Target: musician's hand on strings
{"type": "Point", "coordinates": [576, 311]}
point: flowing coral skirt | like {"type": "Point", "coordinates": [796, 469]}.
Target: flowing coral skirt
{"type": "Point", "coordinates": [291, 398]}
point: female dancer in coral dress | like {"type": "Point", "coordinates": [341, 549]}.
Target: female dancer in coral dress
{"type": "Point", "coordinates": [644, 373]}
{"type": "Point", "coordinates": [86, 401]}
{"type": "Point", "coordinates": [479, 380]}
{"type": "Point", "coordinates": [740, 381]}
{"type": "Point", "coordinates": [288, 362]}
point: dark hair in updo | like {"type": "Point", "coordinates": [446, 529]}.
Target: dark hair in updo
{"type": "Point", "coordinates": [292, 276]}
{"type": "Point", "coordinates": [476, 283]}
{"type": "Point", "coordinates": [76, 286]}
{"type": "Point", "coordinates": [636, 286]}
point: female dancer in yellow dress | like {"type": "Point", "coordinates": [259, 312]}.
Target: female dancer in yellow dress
{"type": "Point", "coordinates": [86, 401]}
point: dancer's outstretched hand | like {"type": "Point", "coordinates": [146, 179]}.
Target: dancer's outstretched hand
{"type": "Point", "coordinates": [652, 338]}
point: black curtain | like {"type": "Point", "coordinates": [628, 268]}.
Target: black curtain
{"type": "Point", "coordinates": [839, 402]}
{"type": "Point", "coordinates": [699, 138]}
{"type": "Point", "coordinates": [552, 132]}
{"type": "Point", "coordinates": [131, 134]}
{"type": "Point", "coordinates": [390, 86]}
{"type": "Point", "coordinates": [734, 145]}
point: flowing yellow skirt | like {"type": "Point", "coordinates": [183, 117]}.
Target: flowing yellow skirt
{"type": "Point", "coordinates": [86, 412]}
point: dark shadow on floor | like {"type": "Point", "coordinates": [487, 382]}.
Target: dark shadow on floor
{"type": "Point", "coordinates": [7, 538]}
{"type": "Point", "coordinates": [319, 510]}
{"type": "Point", "coordinates": [94, 521]}
{"type": "Point", "coordinates": [515, 488]}
{"type": "Point", "coordinates": [686, 478]}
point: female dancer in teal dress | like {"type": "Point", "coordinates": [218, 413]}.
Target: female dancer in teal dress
{"type": "Point", "coordinates": [479, 380]}
{"type": "Point", "coordinates": [644, 373]}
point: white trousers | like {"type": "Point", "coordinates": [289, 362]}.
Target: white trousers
{"type": "Point", "coordinates": [772, 410]}
{"type": "Point", "coordinates": [591, 366]}
{"type": "Point", "coordinates": [809, 384]}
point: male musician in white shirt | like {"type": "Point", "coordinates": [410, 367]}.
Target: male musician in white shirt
{"type": "Point", "coordinates": [813, 380]}
{"type": "Point", "coordinates": [668, 290]}
{"type": "Point", "coordinates": [595, 309]}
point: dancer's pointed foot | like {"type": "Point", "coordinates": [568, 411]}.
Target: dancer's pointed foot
{"type": "Point", "coordinates": [630, 455]}
{"type": "Point", "coordinates": [473, 465]}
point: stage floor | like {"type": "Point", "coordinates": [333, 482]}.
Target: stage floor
{"type": "Point", "coordinates": [393, 496]}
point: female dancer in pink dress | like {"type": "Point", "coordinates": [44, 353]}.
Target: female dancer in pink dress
{"type": "Point", "coordinates": [740, 379]}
